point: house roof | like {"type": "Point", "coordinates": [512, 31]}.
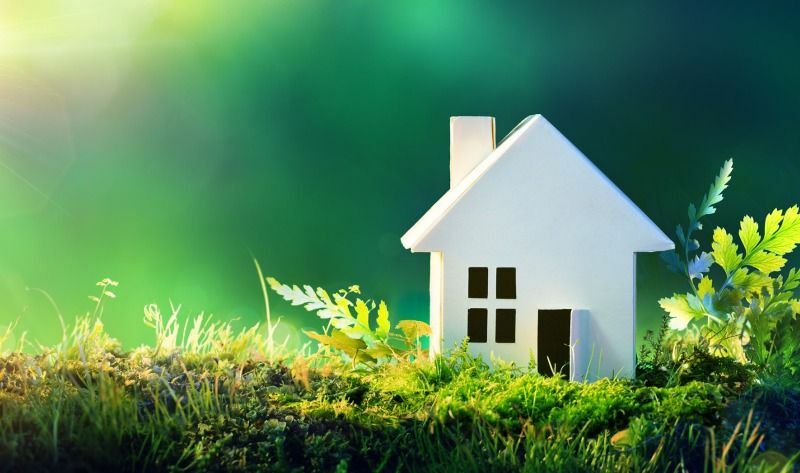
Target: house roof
{"type": "Point", "coordinates": [431, 219]}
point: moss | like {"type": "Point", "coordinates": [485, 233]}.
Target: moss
{"type": "Point", "coordinates": [171, 410]}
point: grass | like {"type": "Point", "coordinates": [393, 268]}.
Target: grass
{"type": "Point", "coordinates": [205, 397]}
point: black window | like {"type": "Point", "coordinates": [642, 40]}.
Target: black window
{"type": "Point", "coordinates": [478, 283]}
{"type": "Point", "coordinates": [506, 326]}
{"type": "Point", "coordinates": [506, 283]}
{"type": "Point", "coordinates": [476, 325]}
{"type": "Point", "coordinates": [505, 319]}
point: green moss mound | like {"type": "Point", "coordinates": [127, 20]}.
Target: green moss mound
{"type": "Point", "coordinates": [99, 409]}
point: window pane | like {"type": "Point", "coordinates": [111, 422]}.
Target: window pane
{"type": "Point", "coordinates": [506, 283]}
{"type": "Point", "coordinates": [506, 326]}
{"type": "Point", "coordinates": [476, 325]}
{"type": "Point", "coordinates": [478, 283]}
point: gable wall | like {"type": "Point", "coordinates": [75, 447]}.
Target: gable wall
{"type": "Point", "coordinates": [608, 294]}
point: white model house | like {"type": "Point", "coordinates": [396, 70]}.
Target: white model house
{"type": "Point", "coordinates": [533, 253]}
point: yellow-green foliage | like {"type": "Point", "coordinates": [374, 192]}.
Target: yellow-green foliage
{"type": "Point", "coordinates": [743, 306]}
{"type": "Point", "coordinates": [361, 337]}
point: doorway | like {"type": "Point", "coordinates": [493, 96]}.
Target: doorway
{"type": "Point", "coordinates": [552, 352]}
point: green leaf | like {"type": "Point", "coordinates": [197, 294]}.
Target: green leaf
{"type": "Point", "coordinates": [383, 321]}
{"type": "Point", "coordinates": [786, 342]}
{"type": "Point", "coordinates": [296, 296]}
{"type": "Point", "coordinates": [784, 239]}
{"type": "Point", "coordinates": [321, 338]}
{"type": "Point", "coordinates": [380, 350]}
{"type": "Point", "coordinates": [682, 308]}
{"type": "Point", "coordinates": [679, 232]}
{"type": "Point", "coordinates": [414, 329]}
{"type": "Point", "coordinates": [759, 325]}
{"type": "Point", "coordinates": [749, 282]}
{"type": "Point", "coordinates": [766, 262]}
{"type": "Point", "coordinates": [714, 194]}
{"type": "Point", "coordinates": [705, 287]}
{"type": "Point", "coordinates": [344, 343]}
{"type": "Point", "coordinates": [772, 222]}
{"type": "Point", "coordinates": [362, 313]}
{"type": "Point", "coordinates": [699, 265]}
{"type": "Point", "coordinates": [343, 304]}
{"type": "Point", "coordinates": [622, 440]}
{"type": "Point", "coordinates": [781, 236]}
{"type": "Point", "coordinates": [324, 296]}
{"type": "Point", "coordinates": [748, 234]}
{"type": "Point", "coordinates": [338, 340]}
{"type": "Point", "coordinates": [725, 251]}
{"type": "Point", "coordinates": [794, 304]}
{"type": "Point", "coordinates": [792, 280]}
{"type": "Point", "coordinates": [342, 322]}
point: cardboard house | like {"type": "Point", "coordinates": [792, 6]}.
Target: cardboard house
{"type": "Point", "coordinates": [533, 253]}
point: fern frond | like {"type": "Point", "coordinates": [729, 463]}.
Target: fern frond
{"type": "Point", "coordinates": [725, 251]}
{"type": "Point", "coordinates": [351, 334]}
{"type": "Point", "coordinates": [694, 268]}
{"type": "Point", "coordinates": [781, 235]}
{"type": "Point", "coordinates": [336, 310]}
{"type": "Point", "coordinates": [764, 254]}
{"type": "Point", "coordinates": [714, 194]}
{"type": "Point", "coordinates": [792, 280]}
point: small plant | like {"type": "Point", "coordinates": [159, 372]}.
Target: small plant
{"type": "Point", "coordinates": [751, 299]}
{"type": "Point", "coordinates": [88, 339]}
{"type": "Point", "coordinates": [670, 359]}
{"type": "Point", "coordinates": [353, 334]}
{"type": "Point", "coordinates": [654, 365]}
{"type": "Point", "coordinates": [652, 353]}
{"type": "Point", "coordinates": [105, 293]}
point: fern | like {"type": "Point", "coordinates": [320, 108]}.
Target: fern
{"type": "Point", "coordinates": [695, 267]}
{"type": "Point", "coordinates": [742, 313]}
{"type": "Point", "coordinates": [353, 335]}
{"type": "Point", "coordinates": [683, 308]}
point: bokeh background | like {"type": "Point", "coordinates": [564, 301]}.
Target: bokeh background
{"type": "Point", "coordinates": [162, 143]}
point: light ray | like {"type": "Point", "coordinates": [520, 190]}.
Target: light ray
{"type": "Point", "coordinates": [30, 184]}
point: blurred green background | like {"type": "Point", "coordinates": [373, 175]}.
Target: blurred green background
{"type": "Point", "coordinates": [160, 143]}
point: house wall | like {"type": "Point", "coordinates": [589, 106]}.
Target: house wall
{"type": "Point", "coordinates": [604, 285]}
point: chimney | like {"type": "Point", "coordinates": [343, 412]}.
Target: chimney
{"type": "Point", "coordinates": [471, 140]}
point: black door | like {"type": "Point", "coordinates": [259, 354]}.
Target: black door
{"type": "Point", "coordinates": [552, 351]}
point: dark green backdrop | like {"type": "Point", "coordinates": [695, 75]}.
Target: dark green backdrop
{"type": "Point", "coordinates": [160, 144]}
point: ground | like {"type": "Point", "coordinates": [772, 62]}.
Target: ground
{"type": "Point", "coordinates": [87, 405]}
